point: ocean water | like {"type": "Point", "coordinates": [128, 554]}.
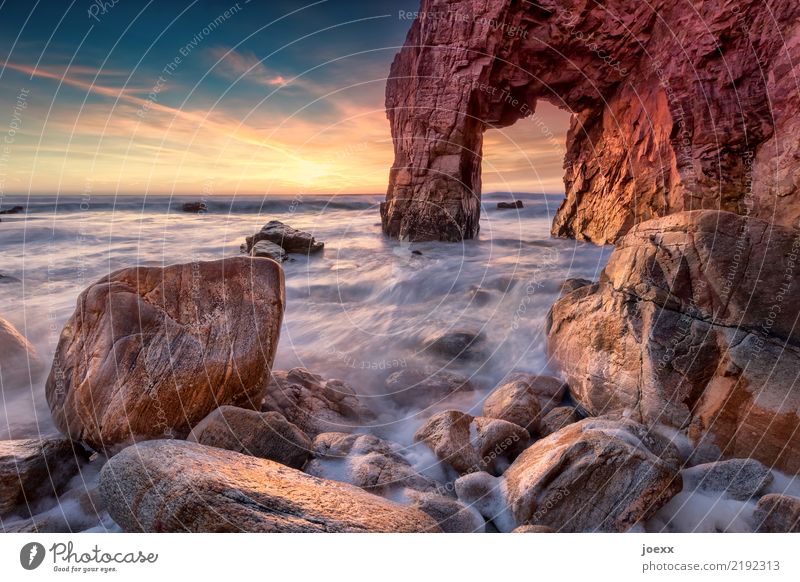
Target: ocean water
{"type": "Point", "coordinates": [364, 308]}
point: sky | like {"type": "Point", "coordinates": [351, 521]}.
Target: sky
{"type": "Point", "coordinates": [217, 96]}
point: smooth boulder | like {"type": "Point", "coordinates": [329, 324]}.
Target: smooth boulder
{"type": "Point", "coordinates": [268, 250]}
{"type": "Point", "coordinates": [692, 325]}
{"type": "Point", "coordinates": [739, 479]}
{"type": "Point", "coordinates": [31, 470]}
{"type": "Point", "coordinates": [177, 486]}
{"type": "Point", "coordinates": [289, 239]}
{"type": "Point", "coordinates": [469, 444]}
{"type": "Point", "coordinates": [314, 404]}
{"type": "Point", "coordinates": [151, 351]}
{"type": "Point", "coordinates": [19, 361]}
{"type": "Point", "coordinates": [267, 435]}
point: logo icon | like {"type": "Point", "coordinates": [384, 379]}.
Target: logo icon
{"type": "Point", "coordinates": [31, 555]}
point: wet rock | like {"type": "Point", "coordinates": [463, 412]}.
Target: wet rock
{"type": "Point", "coordinates": [548, 390]}
{"type": "Point", "coordinates": [777, 513]}
{"type": "Point", "coordinates": [509, 205]}
{"type": "Point", "coordinates": [707, 292]}
{"type": "Point", "coordinates": [286, 237]}
{"type": "Point", "coordinates": [366, 461]}
{"type": "Point", "coordinates": [20, 363]}
{"type": "Point", "coordinates": [740, 479]}
{"type": "Point", "coordinates": [268, 250]}
{"type": "Point", "coordinates": [573, 284]}
{"type": "Point", "coordinates": [267, 435]}
{"type": "Point", "coordinates": [34, 469]}
{"type": "Point", "coordinates": [151, 351]}
{"type": "Point", "coordinates": [75, 511]}
{"type": "Point", "coordinates": [7, 279]}
{"type": "Point", "coordinates": [313, 404]}
{"type": "Point", "coordinates": [469, 444]}
{"type": "Point", "coordinates": [515, 402]}
{"type": "Point", "coordinates": [13, 210]}
{"type": "Point", "coordinates": [177, 486]}
{"type": "Point", "coordinates": [421, 387]}
{"type": "Point", "coordinates": [198, 207]}
{"type": "Point", "coordinates": [451, 515]}
{"type": "Point", "coordinates": [598, 474]}
{"type": "Point", "coordinates": [457, 345]}
{"type": "Point", "coordinates": [557, 419]}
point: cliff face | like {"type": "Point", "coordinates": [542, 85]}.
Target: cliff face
{"type": "Point", "coordinates": [677, 105]}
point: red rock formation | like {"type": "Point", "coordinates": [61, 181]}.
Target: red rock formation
{"type": "Point", "coordinates": [676, 106]}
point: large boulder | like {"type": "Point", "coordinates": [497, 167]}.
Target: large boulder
{"type": "Point", "coordinates": [777, 513]}
{"type": "Point", "coordinates": [469, 444]}
{"type": "Point", "coordinates": [421, 387]}
{"type": "Point", "coordinates": [31, 470]}
{"type": "Point", "coordinates": [374, 464]}
{"type": "Point", "coordinates": [598, 474]}
{"type": "Point", "coordinates": [314, 404]}
{"type": "Point", "coordinates": [20, 363]}
{"type": "Point", "coordinates": [693, 325]}
{"type": "Point", "coordinates": [177, 486]}
{"type": "Point", "coordinates": [289, 239]}
{"type": "Point", "coordinates": [267, 435]}
{"type": "Point", "coordinates": [150, 351]}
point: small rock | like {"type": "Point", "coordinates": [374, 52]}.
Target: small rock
{"type": "Point", "coordinates": [13, 210]}
{"type": "Point", "coordinates": [268, 250]}
{"type": "Point", "coordinates": [777, 513]}
{"type": "Point", "coordinates": [20, 363]}
{"type": "Point", "coordinates": [313, 404]}
{"type": "Point", "coordinates": [740, 479]}
{"type": "Point", "coordinates": [451, 515]}
{"type": "Point", "coordinates": [194, 207]}
{"type": "Point", "coordinates": [515, 402]}
{"type": "Point", "coordinates": [416, 253]}
{"type": "Point", "coordinates": [469, 444]}
{"type": "Point", "coordinates": [421, 387]}
{"type": "Point", "coordinates": [557, 419]}
{"type": "Point", "coordinates": [459, 345]}
{"type": "Point", "coordinates": [367, 462]}
{"type": "Point", "coordinates": [533, 529]}
{"type": "Point", "coordinates": [286, 237]}
{"type": "Point", "coordinates": [267, 435]}
{"type": "Point", "coordinates": [509, 205]}
{"type": "Point", "coordinates": [177, 486]}
{"type": "Point", "coordinates": [5, 279]}
{"type": "Point", "coordinates": [34, 469]}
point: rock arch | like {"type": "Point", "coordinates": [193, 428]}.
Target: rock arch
{"type": "Point", "coordinates": [677, 105]}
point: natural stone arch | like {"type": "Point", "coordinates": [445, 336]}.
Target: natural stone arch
{"type": "Point", "coordinates": [677, 106]}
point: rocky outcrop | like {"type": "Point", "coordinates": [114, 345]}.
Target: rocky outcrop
{"type": "Point", "coordinates": [777, 514]}
{"type": "Point", "coordinates": [672, 109]}
{"type": "Point", "coordinates": [422, 387]}
{"type": "Point", "coordinates": [176, 486]}
{"type": "Point", "coordinates": [34, 469]}
{"type": "Point", "coordinates": [267, 435]}
{"type": "Point", "coordinates": [314, 404]}
{"type": "Point", "coordinates": [596, 475]}
{"type": "Point", "coordinates": [366, 461]}
{"type": "Point", "coordinates": [289, 239]}
{"type": "Point", "coordinates": [739, 479]}
{"type": "Point", "coordinates": [693, 325]}
{"type": "Point", "coordinates": [469, 444]}
{"type": "Point", "coordinates": [150, 351]}
{"type": "Point", "coordinates": [20, 363]}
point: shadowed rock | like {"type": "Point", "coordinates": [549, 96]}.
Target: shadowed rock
{"type": "Point", "coordinates": [421, 387]}
{"type": "Point", "coordinates": [777, 513]}
{"type": "Point", "coordinates": [20, 363]}
{"type": "Point", "coordinates": [451, 515]}
{"type": "Point", "coordinates": [289, 239]}
{"type": "Point", "coordinates": [509, 205]}
{"type": "Point", "coordinates": [176, 486]}
{"type": "Point", "coordinates": [557, 419]}
{"type": "Point", "coordinates": [740, 479]}
{"type": "Point", "coordinates": [268, 250]}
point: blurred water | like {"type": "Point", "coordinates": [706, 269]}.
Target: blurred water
{"type": "Point", "coordinates": [364, 308]}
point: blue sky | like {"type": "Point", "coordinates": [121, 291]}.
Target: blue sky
{"type": "Point", "coordinates": [253, 97]}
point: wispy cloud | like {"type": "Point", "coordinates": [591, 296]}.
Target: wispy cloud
{"type": "Point", "coordinates": [235, 65]}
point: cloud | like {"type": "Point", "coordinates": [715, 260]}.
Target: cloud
{"type": "Point", "coordinates": [235, 65]}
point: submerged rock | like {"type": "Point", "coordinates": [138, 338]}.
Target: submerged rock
{"type": "Point", "coordinates": [177, 486]}
{"type": "Point", "coordinates": [469, 444]}
{"type": "Point", "coordinates": [151, 351]}
{"type": "Point", "coordinates": [598, 474]}
{"type": "Point", "coordinates": [740, 479]}
{"type": "Point", "coordinates": [509, 205]}
{"type": "Point", "coordinates": [194, 207]}
{"type": "Point", "coordinates": [459, 345]}
{"type": "Point", "coordinates": [8, 279]}
{"type": "Point", "coordinates": [289, 239]}
{"type": "Point", "coordinates": [777, 513]}
{"type": "Point", "coordinates": [20, 363]}
{"type": "Point", "coordinates": [366, 461]}
{"type": "Point", "coordinates": [421, 387]}
{"type": "Point", "coordinates": [13, 210]}
{"type": "Point", "coordinates": [692, 325]}
{"type": "Point", "coordinates": [34, 469]}
{"type": "Point", "coordinates": [267, 435]}
{"type": "Point", "coordinates": [314, 404]}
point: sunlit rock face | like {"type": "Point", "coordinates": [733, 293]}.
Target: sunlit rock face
{"type": "Point", "coordinates": [673, 109]}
